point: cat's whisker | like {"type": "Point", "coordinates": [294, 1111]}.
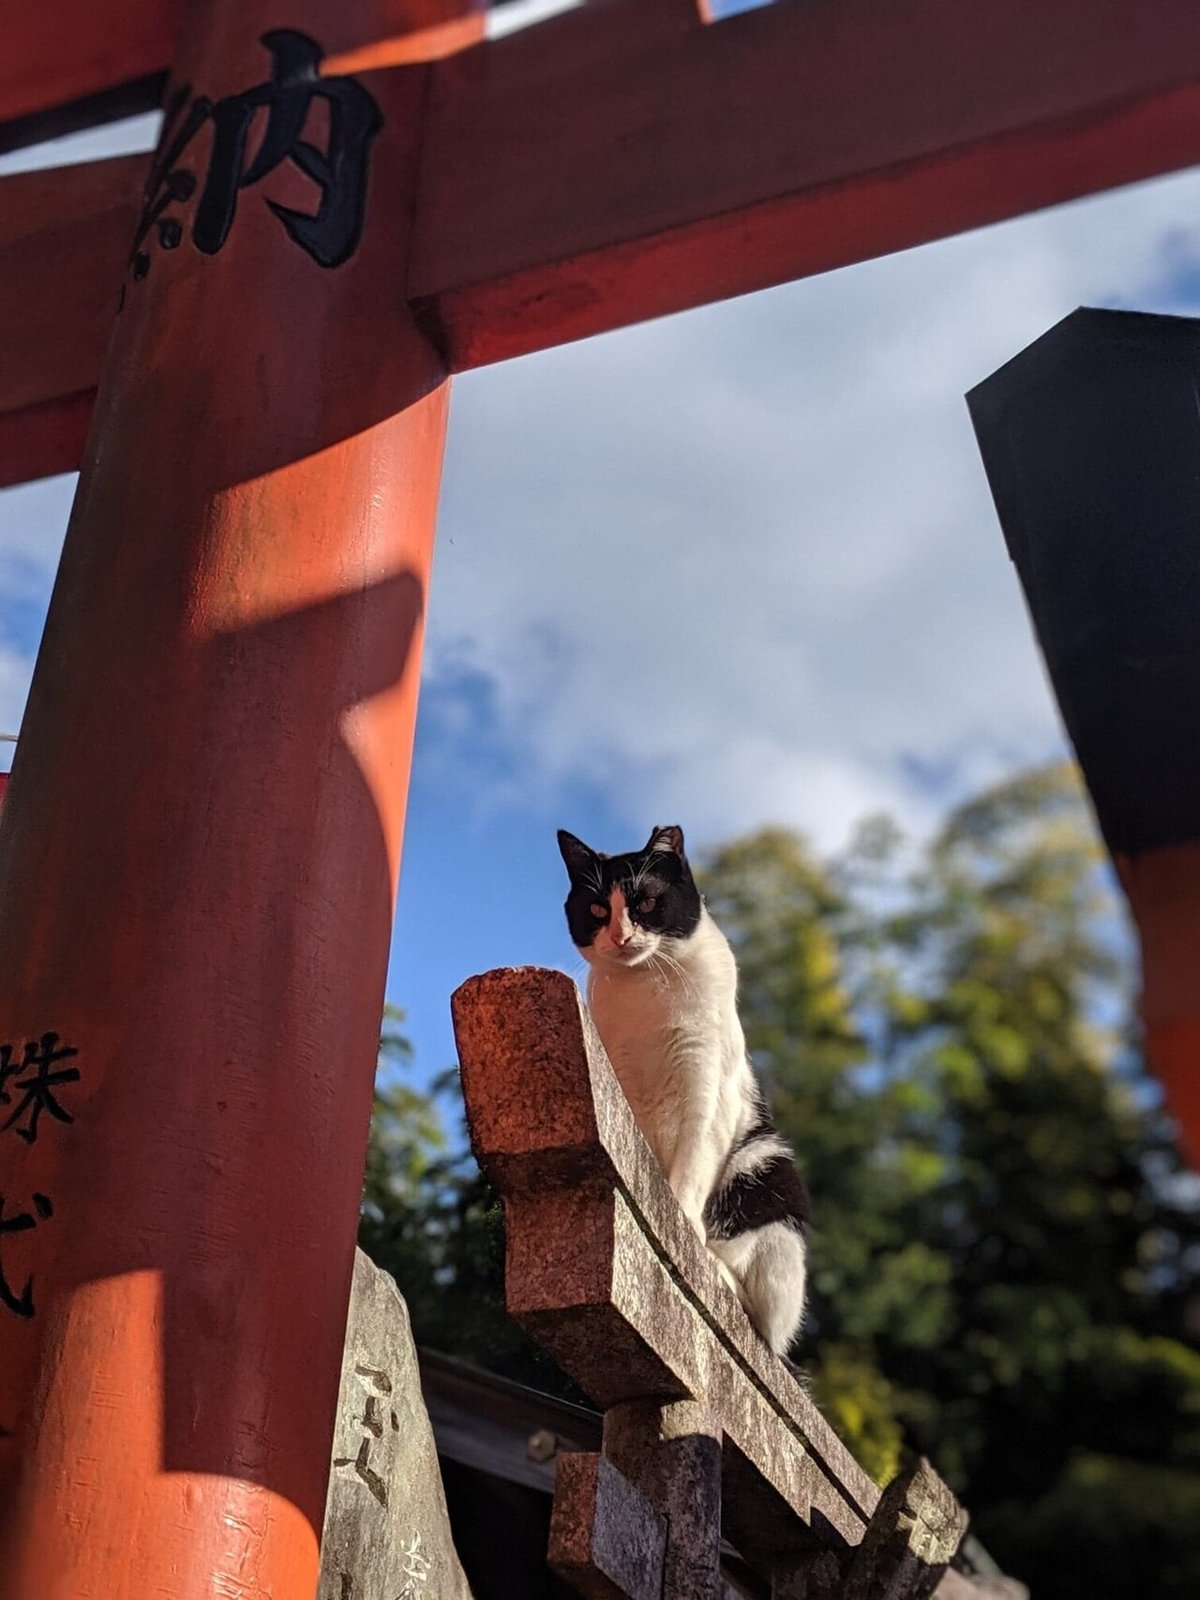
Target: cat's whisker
{"type": "Point", "coordinates": [676, 967]}
{"type": "Point", "coordinates": [670, 963]}
{"type": "Point", "coordinates": [578, 973]}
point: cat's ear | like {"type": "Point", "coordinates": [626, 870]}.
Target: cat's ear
{"type": "Point", "coordinates": [666, 841]}
{"type": "Point", "coordinates": [580, 859]}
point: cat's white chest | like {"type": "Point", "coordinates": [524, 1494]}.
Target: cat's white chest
{"type": "Point", "coordinates": [639, 1021]}
{"type": "Point", "coordinates": [674, 1042]}
{"type": "Point", "coordinates": [654, 1053]}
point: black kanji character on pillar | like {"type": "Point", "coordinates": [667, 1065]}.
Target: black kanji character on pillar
{"type": "Point", "coordinates": [330, 235]}
{"type": "Point", "coordinates": [21, 1305]}
{"type": "Point", "coordinates": [168, 183]}
{"type": "Point", "coordinates": [7, 1071]}
{"type": "Point", "coordinates": [37, 1084]}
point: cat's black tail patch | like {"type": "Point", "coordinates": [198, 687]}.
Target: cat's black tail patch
{"type": "Point", "coordinates": [771, 1191]}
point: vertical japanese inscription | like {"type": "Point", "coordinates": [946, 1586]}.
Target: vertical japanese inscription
{"type": "Point", "coordinates": [416, 1569]}
{"type": "Point", "coordinates": [37, 1080]}
{"type": "Point", "coordinates": [331, 233]}
{"type": "Point", "coordinates": [30, 1085]}
{"type": "Point", "coordinates": [21, 1305]}
{"type": "Point", "coordinates": [372, 1423]}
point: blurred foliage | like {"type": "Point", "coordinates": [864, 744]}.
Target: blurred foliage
{"type": "Point", "coordinates": [862, 1407]}
{"type": "Point", "coordinates": [1006, 1251]}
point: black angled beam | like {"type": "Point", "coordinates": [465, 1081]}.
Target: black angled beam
{"type": "Point", "coordinates": [1091, 442]}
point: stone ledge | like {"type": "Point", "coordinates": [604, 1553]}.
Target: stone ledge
{"type": "Point", "coordinates": [605, 1272]}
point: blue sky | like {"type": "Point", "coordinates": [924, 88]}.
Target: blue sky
{"type": "Point", "coordinates": [729, 568]}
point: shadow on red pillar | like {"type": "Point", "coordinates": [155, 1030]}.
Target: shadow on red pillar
{"type": "Point", "coordinates": [202, 836]}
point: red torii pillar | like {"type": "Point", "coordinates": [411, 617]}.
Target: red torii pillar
{"type": "Point", "coordinates": [243, 584]}
{"type": "Point", "coordinates": [202, 843]}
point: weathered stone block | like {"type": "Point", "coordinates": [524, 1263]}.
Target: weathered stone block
{"type": "Point", "coordinates": [606, 1539]}
{"type": "Point", "coordinates": [910, 1541]}
{"type": "Point", "coordinates": [387, 1534]}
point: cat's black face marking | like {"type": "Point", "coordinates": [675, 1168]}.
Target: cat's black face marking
{"type": "Point", "coordinates": [656, 882]}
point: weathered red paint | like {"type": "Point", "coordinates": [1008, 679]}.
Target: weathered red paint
{"type": "Point", "coordinates": [1163, 889]}
{"type": "Point", "coordinates": [64, 243]}
{"type": "Point", "coordinates": [197, 872]}
{"type": "Point", "coordinates": [612, 284]}
{"type": "Point", "coordinates": [55, 54]}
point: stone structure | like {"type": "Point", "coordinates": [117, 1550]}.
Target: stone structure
{"type": "Point", "coordinates": [705, 1431]}
{"type": "Point", "coordinates": [387, 1535]}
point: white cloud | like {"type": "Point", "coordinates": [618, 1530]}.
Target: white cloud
{"type": "Point", "coordinates": [15, 670]}
{"type": "Point", "coordinates": [742, 565]}
{"type": "Point", "coordinates": [127, 136]}
{"type": "Point", "coordinates": [515, 14]}
{"type": "Point", "coordinates": [33, 520]}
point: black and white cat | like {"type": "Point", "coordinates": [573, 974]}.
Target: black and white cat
{"type": "Point", "coordinates": [662, 990]}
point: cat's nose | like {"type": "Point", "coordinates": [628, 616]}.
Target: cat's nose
{"type": "Point", "coordinates": [621, 936]}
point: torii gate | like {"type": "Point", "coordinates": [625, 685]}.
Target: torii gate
{"type": "Point", "coordinates": [202, 834]}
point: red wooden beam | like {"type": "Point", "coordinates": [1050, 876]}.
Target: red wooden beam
{"type": "Point", "coordinates": [65, 234]}
{"type": "Point", "coordinates": [74, 63]}
{"type": "Point", "coordinates": [73, 49]}
{"type": "Point", "coordinates": [64, 238]}
{"type": "Point", "coordinates": [625, 160]}
{"type": "Point", "coordinates": [39, 441]}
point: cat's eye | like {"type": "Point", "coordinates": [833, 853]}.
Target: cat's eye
{"type": "Point", "coordinates": [598, 910]}
{"type": "Point", "coordinates": [648, 904]}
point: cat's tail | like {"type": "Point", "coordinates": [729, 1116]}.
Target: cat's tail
{"type": "Point", "coordinates": [798, 1373]}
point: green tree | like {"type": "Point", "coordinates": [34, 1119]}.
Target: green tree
{"type": "Point", "coordinates": [404, 1189]}
{"type": "Point", "coordinates": [1005, 1259]}
{"type": "Point", "coordinates": [1055, 1210]}
{"type": "Point", "coordinates": [803, 949]}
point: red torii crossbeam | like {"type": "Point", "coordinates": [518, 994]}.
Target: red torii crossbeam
{"type": "Point", "coordinates": [202, 833]}
{"type": "Point", "coordinates": [623, 160]}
